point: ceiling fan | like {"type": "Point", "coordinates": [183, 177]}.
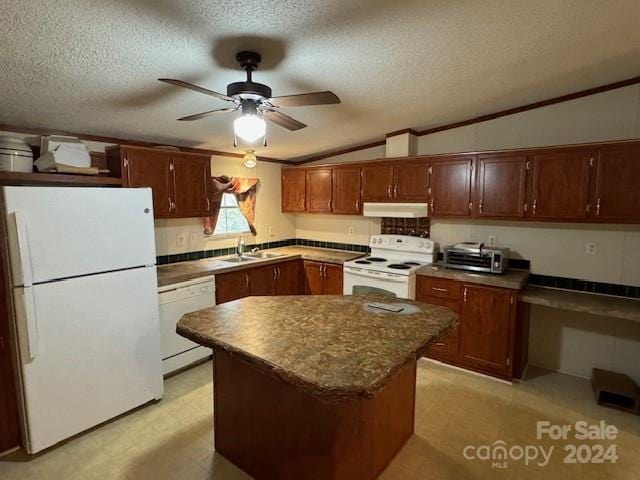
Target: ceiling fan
{"type": "Point", "coordinates": [254, 103]}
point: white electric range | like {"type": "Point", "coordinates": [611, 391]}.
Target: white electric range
{"type": "Point", "coordinates": [391, 266]}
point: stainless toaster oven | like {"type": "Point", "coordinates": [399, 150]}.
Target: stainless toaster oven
{"type": "Point", "coordinates": [476, 257]}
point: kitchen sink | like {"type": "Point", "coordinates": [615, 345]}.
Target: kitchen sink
{"type": "Point", "coordinates": [265, 255]}
{"type": "Point", "coordinates": [242, 259]}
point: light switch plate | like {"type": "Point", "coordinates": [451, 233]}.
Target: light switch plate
{"type": "Point", "coordinates": [492, 240]}
{"type": "Point", "coordinates": [181, 239]}
{"type": "Point", "coordinates": [351, 231]}
{"type": "Point", "coordinates": [193, 238]}
{"type": "Point", "coordinates": [591, 248]}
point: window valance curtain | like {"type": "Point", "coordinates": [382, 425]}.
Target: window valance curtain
{"type": "Point", "coordinates": [244, 190]}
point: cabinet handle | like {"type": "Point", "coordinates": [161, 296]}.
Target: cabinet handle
{"type": "Point", "coordinates": [173, 206]}
{"type": "Point", "coordinates": [470, 206]}
{"type": "Point", "coordinates": [170, 205]}
{"type": "Point", "coordinates": [208, 205]}
{"type": "Point", "coordinates": [437, 289]}
{"type": "Point", "coordinates": [431, 208]}
{"type": "Point", "coordinates": [275, 274]}
{"type": "Point", "coordinates": [125, 164]}
{"type": "Point", "coordinates": [440, 344]}
{"type": "Point", "coordinates": [588, 208]}
{"type": "Point", "coordinates": [357, 205]}
{"type": "Point", "coordinates": [279, 273]}
{"type": "Point", "coordinates": [171, 166]}
{"type": "Point", "coordinates": [598, 206]}
{"type": "Point", "coordinates": [429, 191]}
{"type": "Point", "coordinates": [389, 191]}
{"type": "Point", "coordinates": [246, 278]}
{"type": "Point", "coordinates": [464, 294]}
{"type": "Point", "coordinates": [323, 271]}
{"type": "Point", "coordinates": [480, 207]}
{"type": "Point", "coordinates": [535, 202]}
{"type": "Point", "coordinates": [525, 207]}
{"type": "Point", "coordinates": [395, 190]}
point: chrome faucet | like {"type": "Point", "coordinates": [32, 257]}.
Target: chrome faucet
{"type": "Point", "coordinates": [240, 247]}
{"type": "Point", "coordinates": [255, 250]}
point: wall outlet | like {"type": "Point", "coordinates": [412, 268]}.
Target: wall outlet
{"type": "Point", "coordinates": [591, 248]}
{"type": "Point", "coordinates": [193, 238]}
{"type": "Point", "coordinates": [272, 231]}
{"type": "Point", "coordinates": [351, 231]}
{"type": "Point", "coordinates": [492, 240]}
{"type": "Point", "coordinates": [182, 238]}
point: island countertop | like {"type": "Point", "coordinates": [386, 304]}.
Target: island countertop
{"type": "Point", "coordinates": [334, 346]}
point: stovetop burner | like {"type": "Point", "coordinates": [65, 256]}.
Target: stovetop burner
{"type": "Point", "coordinates": [412, 264]}
{"type": "Point", "coordinates": [363, 262]}
{"type": "Point", "coordinates": [399, 266]}
{"type": "Point", "coordinates": [376, 259]}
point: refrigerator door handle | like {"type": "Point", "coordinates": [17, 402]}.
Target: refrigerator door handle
{"type": "Point", "coordinates": [31, 322]}
{"type": "Point", "coordinates": [24, 254]}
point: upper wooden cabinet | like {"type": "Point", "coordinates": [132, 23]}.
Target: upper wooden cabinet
{"type": "Point", "coordinates": [319, 190]}
{"type": "Point", "coordinates": [377, 182]}
{"type": "Point", "coordinates": [410, 180]}
{"type": "Point", "coordinates": [450, 182]}
{"type": "Point", "coordinates": [617, 186]}
{"type": "Point", "coordinates": [592, 183]}
{"type": "Point", "coordinates": [501, 186]}
{"type": "Point", "coordinates": [179, 181]}
{"type": "Point", "coordinates": [192, 180]}
{"type": "Point", "coordinates": [293, 190]}
{"type": "Point", "coordinates": [560, 184]}
{"type": "Point", "coordinates": [346, 190]}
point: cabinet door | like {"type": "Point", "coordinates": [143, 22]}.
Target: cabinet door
{"type": "Point", "coordinates": [411, 179]}
{"type": "Point", "coordinates": [319, 190]}
{"type": "Point", "coordinates": [485, 328]}
{"type": "Point", "coordinates": [346, 190]}
{"type": "Point", "coordinates": [560, 185]}
{"type": "Point", "coordinates": [450, 187]}
{"type": "Point", "coordinates": [191, 182]}
{"type": "Point", "coordinates": [263, 281]}
{"type": "Point", "coordinates": [617, 195]}
{"type": "Point", "coordinates": [332, 279]}
{"type": "Point", "coordinates": [293, 190]}
{"type": "Point", "coordinates": [377, 182]}
{"type": "Point", "coordinates": [143, 168]}
{"type": "Point", "coordinates": [288, 282]}
{"type": "Point", "coordinates": [314, 280]}
{"type": "Point", "coordinates": [501, 186]}
{"type": "Point", "coordinates": [233, 285]}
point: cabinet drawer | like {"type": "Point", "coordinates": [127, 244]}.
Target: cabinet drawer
{"type": "Point", "coordinates": [446, 346]}
{"type": "Point", "coordinates": [438, 287]}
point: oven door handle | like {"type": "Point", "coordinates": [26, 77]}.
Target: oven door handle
{"type": "Point", "coordinates": [382, 276]}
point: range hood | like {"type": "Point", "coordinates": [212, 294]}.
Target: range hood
{"type": "Point", "coordinates": [395, 210]}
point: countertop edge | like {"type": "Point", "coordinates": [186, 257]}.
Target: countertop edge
{"type": "Point", "coordinates": [329, 395]}
{"type": "Point", "coordinates": [487, 279]}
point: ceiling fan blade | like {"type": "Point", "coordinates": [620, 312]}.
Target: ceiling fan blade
{"type": "Point", "coordinates": [283, 120]}
{"type": "Point", "coordinates": [195, 88]}
{"type": "Point", "coordinates": [198, 116]}
{"type": "Point", "coordinates": [317, 98]}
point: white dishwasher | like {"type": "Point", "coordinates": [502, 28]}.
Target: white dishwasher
{"type": "Point", "coordinates": [175, 301]}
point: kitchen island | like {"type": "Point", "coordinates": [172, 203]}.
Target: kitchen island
{"type": "Point", "coordinates": [315, 387]}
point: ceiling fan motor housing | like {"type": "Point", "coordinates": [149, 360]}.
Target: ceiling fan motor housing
{"type": "Point", "coordinates": [248, 88]}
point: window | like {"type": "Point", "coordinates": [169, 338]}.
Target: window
{"type": "Point", "coordinates": [230, 219]}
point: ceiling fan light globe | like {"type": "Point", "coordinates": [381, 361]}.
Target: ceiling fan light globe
{"type": "Point", "coordinates": [250, 127]}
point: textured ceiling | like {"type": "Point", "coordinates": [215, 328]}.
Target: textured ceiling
{"type": "Point", "coordinates": [91, 67]}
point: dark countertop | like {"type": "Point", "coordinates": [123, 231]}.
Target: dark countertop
{"type": "Point", "coordinates": [514, 279]}
{"type": "Point", "coordinates": [604, 305]}
{"type": "Point", "coordinates": [184, 271]}
{"type": "Point", "coordinates": [332, 346]}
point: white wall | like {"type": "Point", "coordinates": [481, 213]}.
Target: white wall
{"type": "Point", "coordinates": [267, 212]}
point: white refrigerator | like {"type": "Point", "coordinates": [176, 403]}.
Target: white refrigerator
{"type": "Point", "coordinates": [82, 269]}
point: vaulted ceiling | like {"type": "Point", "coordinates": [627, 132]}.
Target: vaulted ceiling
{"type": "Point", "coordinates": [91, 67]}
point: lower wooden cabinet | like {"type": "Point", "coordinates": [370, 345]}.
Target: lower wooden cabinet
{"type": "Point", "coordinates": [277, 279]}
{"type": "Point", "coordinates": [323, 278]}
{"type": "Point", "coordinates": [492, 334]}
{"type": "Point", "coordinates": [232, 286]}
